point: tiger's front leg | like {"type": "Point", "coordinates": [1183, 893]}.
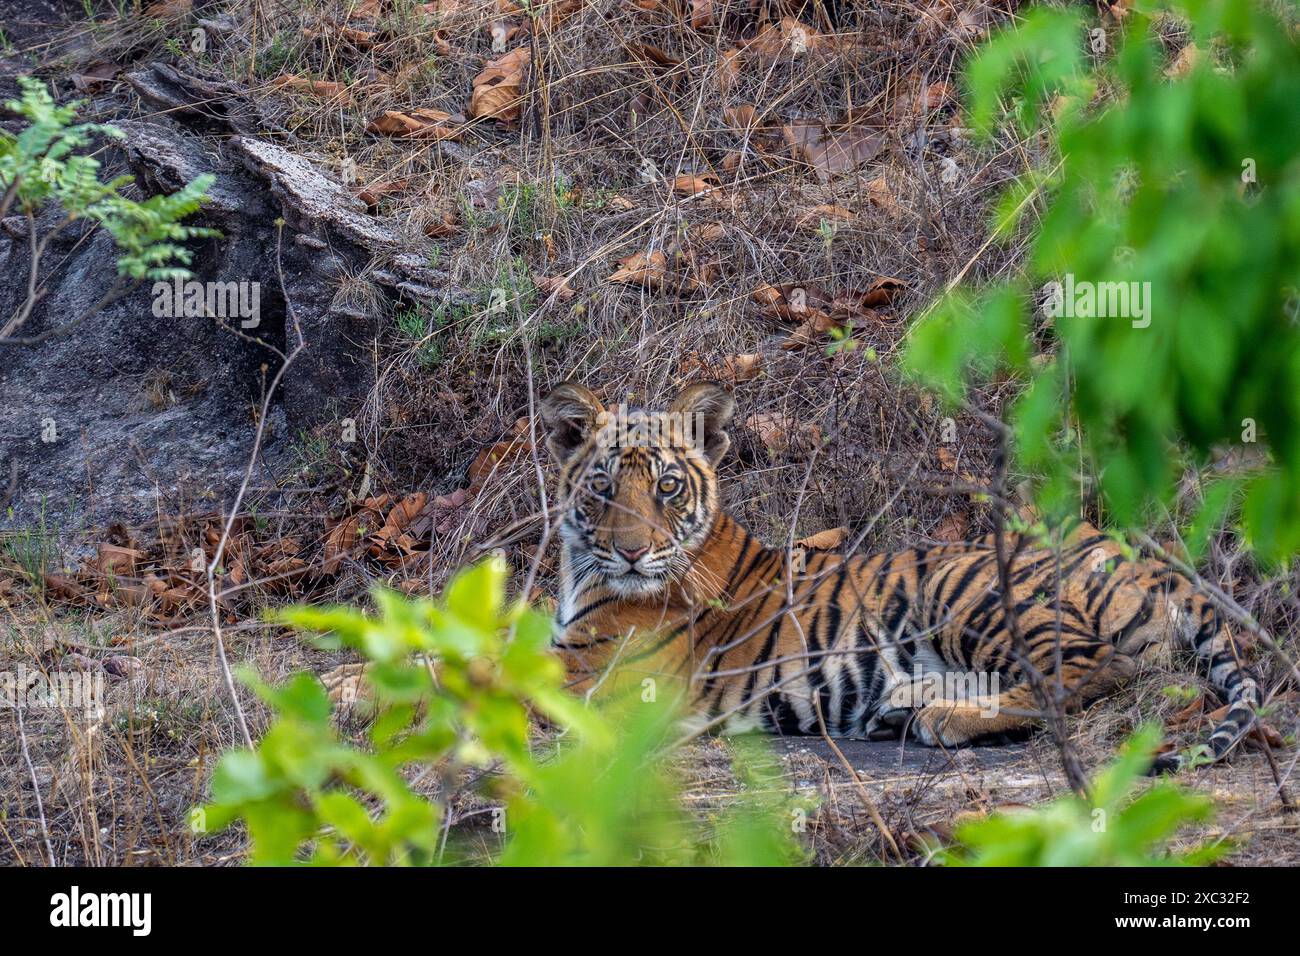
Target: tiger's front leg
{"type": "Point", "coordinates": [1089, 670]}
{"type": "Point", "coordinates": [955, 723]}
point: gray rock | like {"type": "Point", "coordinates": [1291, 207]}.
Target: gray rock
{"type": "Point", "coordinates": [135, 416]}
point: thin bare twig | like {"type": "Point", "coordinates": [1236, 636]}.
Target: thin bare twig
{"type": "Point", "coordinates": [36, 786]}
{"type": "Point", "coordinates": [1051, 705]}
{"type": "Point", "coordinates": [212, 566]}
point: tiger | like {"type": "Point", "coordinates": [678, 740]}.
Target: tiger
{"type": "Point", "coordinates": [657, 580]}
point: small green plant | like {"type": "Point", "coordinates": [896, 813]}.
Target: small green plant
{"type": "Point", "coordinates": [33, 551]}
{"type": "Point", "coordinates": [275, 59]}
{"type": "Point", "coordinates": [42, 165]}
{"type": "Point", "coordinates": [598, 795]}
{"type": "Point", "coordinates": [1112, 828]}
{"type": "Point", "coordinates": [530, 209]}
{"type": "Point", "coordinates": [426, 329]}
{"type": "Point", "coordinates": [841, 339]}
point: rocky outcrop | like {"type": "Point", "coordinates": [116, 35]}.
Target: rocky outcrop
{"type": "Point", "coordinates": [140, 414]}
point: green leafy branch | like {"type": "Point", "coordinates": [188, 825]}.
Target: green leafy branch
{"type": "Point", "coordinates": [452, 685]}
{"type": "Point", "coordinates": [1113, 828]}
{"type": "Point", "coordinates": [42, 164]}
{"type": "Point", "coordinates": [1183, 183]}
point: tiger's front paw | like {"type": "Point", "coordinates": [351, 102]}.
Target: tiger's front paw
{"type": "Point", "coordinates": [942, 724]}
{"type": "Point", "coordinates": [888, 724]}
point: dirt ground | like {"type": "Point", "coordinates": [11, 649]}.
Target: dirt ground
{"type": "Point", "coordinates": [117, 788]}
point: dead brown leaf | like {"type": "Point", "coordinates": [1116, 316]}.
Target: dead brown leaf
{"type": "Point", "coordinates": [882, 291]}
{"type": "Point", "coordinates": [95, 76]}
{"type": "Point", "coordinates": [881, 196]}
{"type": "Point", "coordinates": [706, 185]}
{"type": "Point", "coordinates": [325, 89]}
{"type": "Point", "coordinates": [361, 39]}
{"type": "Point", "coordinates": [650, 269]}
{"type": "Point", "coordinates": [952, 528]}
{"type": "Point", "coordinates": [169, 9]}
{"type": "Point", "coordinates": [112, 559]}
{"type": "Point", "coordinates": [653, 54]}
{"type": "Point", "coordinates": [490, 460]}
{"type": "Point", "coordinates": [370, 195]}
{"type": "Point", "coordinates": [815, 310]}
{"type": "Point", "coordinates": [918, 98]}
{"type": "Point", "coordinates": [557, 286]}
{"type": "Point", "coordinates": [365, 10]}
{"type": "Point", "coordinates": [730, 369]}
{"type": "Point", "coordinates": [782, 434]}
{"type": "Point", "coordinates": [498, 89]}
{"type": "Point", "coordinates": [703, 14]}
{"type": "Point", "coordinates": [418, 124]}
{"type": "Point", "coordinates": [830, 214]}
{"type": "Point", "coordinates": [830, 152]}
{"type": "Point", "coordinates": [1184, 63]}
{"type": "Point", "coordinates": [444, 223]}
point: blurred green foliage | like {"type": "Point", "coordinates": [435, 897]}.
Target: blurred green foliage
{"type": "Point", "coordinates": [1113, 828]}
{"type": "Point", "coordinates": [600, 794]}
{"type": "Point", "coordinates": [1185, 178]}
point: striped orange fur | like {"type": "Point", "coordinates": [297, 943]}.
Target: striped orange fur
{"type": "Point", "coordinates": [658, 583]}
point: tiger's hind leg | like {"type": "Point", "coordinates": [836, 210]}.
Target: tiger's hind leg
{"type": "Point", "coordinates": [1089, 669]}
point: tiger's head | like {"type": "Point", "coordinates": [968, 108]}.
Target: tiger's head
{"type": "Point", "coordinates": [639, 487]}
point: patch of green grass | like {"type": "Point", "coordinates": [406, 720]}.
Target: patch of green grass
{"type": "Point", "coordinates": [531, 209]}
{"type": "Point", "coordinates": [273, 61]}
{"type": "Point", "coordinates": [34, 551]}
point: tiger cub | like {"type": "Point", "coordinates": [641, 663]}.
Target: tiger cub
{"type": "Point", "coordinates": [658, 581]}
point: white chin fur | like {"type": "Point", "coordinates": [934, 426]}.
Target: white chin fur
{"type": "Point", "coordinates": [635, 585]}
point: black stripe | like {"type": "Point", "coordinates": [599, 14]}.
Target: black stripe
{"type": "Point", "coordinates": [594, 605]}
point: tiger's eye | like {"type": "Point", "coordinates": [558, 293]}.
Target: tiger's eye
{"type": "Point", "coordinates": [599, 485]}
{"type": "Point", "coordinates": [668, 485]}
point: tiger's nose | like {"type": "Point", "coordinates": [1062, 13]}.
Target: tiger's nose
{"type": "Point", "coordinates": [631, 554]}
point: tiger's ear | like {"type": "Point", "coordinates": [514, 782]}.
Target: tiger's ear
{"type": "Point", "coordinates": [570, 413]}
{"type": "Point", "coordinates": [714, 407]}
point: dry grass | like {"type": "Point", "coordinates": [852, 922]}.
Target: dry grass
{"type": "Point", "coordinates": [581, 181]}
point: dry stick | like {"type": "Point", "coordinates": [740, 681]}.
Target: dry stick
{"type": "Point", "coordinates": [20, 315]}
{"type": "Point", "coordinates": [243, 488]}
{"type": "Point", "coordinates": [1262, 739]}
{"type": "Point", "coordinates": [870, 804]}
{"type": "Point", "coordinates": [1221, 599]}
{"type": "Point", "coordinates": [1051, 706]}
{"type": "Point", "coordinates": [543, 504]}
{"type": "Point", "coordinates": [36, 787]}
{"type": "Point", "coordinates": [115, 292]}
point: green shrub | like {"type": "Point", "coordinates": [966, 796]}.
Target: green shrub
{"type": "Point", "coordinates": [41, 164]}
{"type": "Point", "coordinates": [1112, 829]}
{"type": "Point", "coordinates": [1189, 182]}
{"type": "Point", "coordinates": [600, 794]}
